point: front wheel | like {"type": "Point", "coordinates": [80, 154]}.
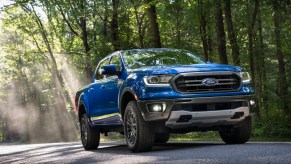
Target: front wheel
{"type": "Point", "coordinates": [138, 134]}
{"type": "Point", "coordinates": [237, 135]}
{"type": "Point", "coordinates": [90, 137]}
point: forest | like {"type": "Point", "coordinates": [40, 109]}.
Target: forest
{"type": "Point", "coordinates": [50, 48]}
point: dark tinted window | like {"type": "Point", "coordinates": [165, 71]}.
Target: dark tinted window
{"type": "Point", "coordinates": [159, 57]}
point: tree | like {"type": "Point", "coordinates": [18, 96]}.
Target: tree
{"type": "Point", "coordinates": [220, 34]}
{"type": "Point", "coordinates": [261, 59]}
{"type": "Point", "coordinates": [114, 26]}
{"type": "Point", "coordinates": [154, 25]}
{"type": "Point", "coordinates": [203, 27]}
{"type": "Point", "coordinates": [231, 33]}
{"type": "Point", "coordinates": [49, 47]}
{"type": "Point", "coordinates": [282, 80]}
{"type": "Point", "coordinates": [250, 37]}
{"type": "Point", "coordinates": [83, 26]}
{"type": "Point", "coordinates": [140, 18]}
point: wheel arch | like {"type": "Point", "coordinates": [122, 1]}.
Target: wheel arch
{"type": "Point", "coordinates": [82, 106]}
{"type": "Point", "coordinates": [126, 96]}
{"type": "Point", "coordinates": [81, 111]}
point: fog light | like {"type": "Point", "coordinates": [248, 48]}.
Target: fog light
{"type": "Point", "coordinates": [252, 102]}
{"type": "Point", "coordinates": [157, 107]}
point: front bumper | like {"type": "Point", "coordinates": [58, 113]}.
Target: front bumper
{"type": "Point", "coordinates": [196, 115]}
{"type": "Point", "coordinates": [204, 119]}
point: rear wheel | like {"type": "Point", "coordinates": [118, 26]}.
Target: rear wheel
{"type": "Point", "coordinates": [138, 134]}
{"type": "Point", "coordinates": [237, 135]}
{"type": "Point", "coordinates": [162, 138]}
{"type": "Point", "coordinates": [90, 136]}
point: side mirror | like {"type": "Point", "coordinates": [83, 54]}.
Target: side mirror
{"type": "Point", "coordinates": [109, 70]}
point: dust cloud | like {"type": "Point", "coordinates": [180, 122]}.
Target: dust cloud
{"type": "Point", "coordinates": [34, 109]}
{"type": "Point", "coordinates": [70, 76]}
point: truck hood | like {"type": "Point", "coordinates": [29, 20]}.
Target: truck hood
{"type": "Point", "coordinates": [185, 68]}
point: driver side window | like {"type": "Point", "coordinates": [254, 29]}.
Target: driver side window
{"type": "Point", "coordinates": [99, 76]}
{"type": "Point", "coordinates": [115, 60]}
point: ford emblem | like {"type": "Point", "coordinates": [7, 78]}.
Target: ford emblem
{"type": "Point", "coordinates": [209, 82]}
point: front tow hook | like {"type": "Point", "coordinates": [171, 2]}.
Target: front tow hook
{"type": "Point", "coordinates": [184, 118]}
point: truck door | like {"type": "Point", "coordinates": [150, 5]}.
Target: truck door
{"type": "Point", "coordinates": [111, 87]}
{"type": "Point", "coordinates": [95, 96]}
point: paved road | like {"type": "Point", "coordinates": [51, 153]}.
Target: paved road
{"type": "Point", "coordinates": [174, 152]}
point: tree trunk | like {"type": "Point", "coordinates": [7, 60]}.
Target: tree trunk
{"type": "Point", "coordinates": [231, 33]}
{"type": "Point", "coordinates": [54, 67]}
{"type": "Point", "coordinates": [178, 9]}
{"type": "Point", "coordinates": [261, 59]}
{"type": "Point", "coordinates": [251, 45]}
{"type": "Point", "coordinates": [83, 25]}
{"type": "Point", "coordinates": [139, 21]}
{"type": "Point", "coordinates": [2, 125]}
{"type": "Point", "coordinates": [105, 21]}
{"type": "Point", "coordinates": [95, 30]}
{"type": "Point", "coordinates": [2, 130]}
{"type": "Point", "coordinates": [282, 80]}
{"type": "Point", "coordinates": [154, 26]}
{"type": "Point", "coordinates": [221, 44]}
{"type": "Point", "coordinates": [104, 35]}
{"type": "Point", "coordinates": [250, 40]}
{"type": "Point", "coordinates": [6, 132]}
{"type": "Point", "coordinates": [114, 26]}
{"type": "Point", "coordinates": [128, 31]}
{"type": "Point", "coordinates": [57, 77]}
{"type": "Point", "coordinates": [202, 28]}
{"type": "Point", "coordinates": [209, 43]}
{"type": "Point", "coordinates": [65, 19]}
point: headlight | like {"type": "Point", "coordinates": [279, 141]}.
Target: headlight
{"type": "Point", "coordinates": [157, 79]}
{"type": "Point", "coordinates": [245, 76]}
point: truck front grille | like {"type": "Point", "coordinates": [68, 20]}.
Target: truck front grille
{"type": "Point", "coordinates": [207, 82]}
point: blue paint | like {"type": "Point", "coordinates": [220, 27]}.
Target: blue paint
{"type": "Point", "coordinates": [101, 97]}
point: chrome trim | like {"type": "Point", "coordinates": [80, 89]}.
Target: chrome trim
{"type": "Point", "coordinates": [145, 80]}
{"type": "Point", "coordinates": [204, 118]}
{"type": "Point", "coordinates": [189, 74]}
{"type": "Point", "coordinates": [94, 118]}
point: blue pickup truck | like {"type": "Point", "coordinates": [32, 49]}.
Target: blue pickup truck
{"type": "Point", "coordinates": [147, 94]}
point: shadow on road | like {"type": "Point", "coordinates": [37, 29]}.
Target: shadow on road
{"type": "Point", "coordinates": [109, 151]}
{"type": "Point", "coordinates": [118, 152]}
{"type": "Point", "coordinates": [122, 148]}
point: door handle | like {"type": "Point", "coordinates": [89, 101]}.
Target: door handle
{"type": "Point", "coordinates": [103, 86]}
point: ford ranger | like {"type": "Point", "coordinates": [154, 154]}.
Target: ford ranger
{"type": "Point", "coordinates": [147, 94]}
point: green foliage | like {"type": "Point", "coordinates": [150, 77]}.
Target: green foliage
{"type": "Point", "coordinates": [35, 33]}
{"type": "Point", "coordinates": [275, 124]}
{"type": "Point", "coordinates": [196, 136]}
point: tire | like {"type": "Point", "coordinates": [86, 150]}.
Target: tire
{"type": "Point", "coordinates": [162, 138]}
{"type": "Point", "coordinates": [138, 135]}
{"type": "Point", "coordinates": [90, 136]}
{"type": "Point", "coordinates": [238, 135]}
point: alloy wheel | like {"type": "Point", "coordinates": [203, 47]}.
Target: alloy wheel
{"type": "Point", "coordinates": [131, 128]}
{"type": "Point", "coordinates": [84, 133]}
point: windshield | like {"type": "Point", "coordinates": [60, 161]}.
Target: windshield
{"type": "Point", "coordinates": [159, 57]}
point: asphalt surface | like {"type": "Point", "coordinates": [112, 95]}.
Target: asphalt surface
{"type": "Point", "coordinates": [173, 152]}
